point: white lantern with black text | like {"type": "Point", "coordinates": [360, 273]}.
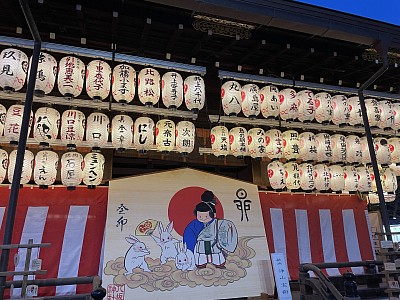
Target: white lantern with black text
{"type": "Point", "coordinates": [340, 110]}
{"type": "Point", "coordinates": [355, 115]}
{"type": "Point", "coordinates": [372, 176]}
{"type": "Point", "coordinates": [98, 80]}
{"type": "Point", "coordinates": [165, 135]}
{"type": "Point", "coordinates": [71, 169]}
{"type": "Point", "coordinates": [45, 169]}
{"type": "Point", "coordinates": [387, 114]}
{"type": "Point", "coordinates": [238, 142]}
{"type": "Point", "coordinates": [396, 115]}
{"type": "Point", "coordinates": [45, 126]}
{"type": "Point", "coordinates": [389, 180]}
{"type": "Point", "coordinates": [364, 180]}
{"type": "Point", "coordinates": [274, 144]}
{"type": "Point", "coordinates": [256, 143]}
{"type": "Point", "coordinates": [122, 132]}
{"type": "Point", "coordinates": [231, 98]}
{"type": "Point", "coordinates": [123, 83]}
{"type": "Point", "coordinates": [269, 97]}
{"type": "Point", "coordinates": [338, 148]}
{"type": "Point", "coordinates": [97, 128]}
{"type": "Point", "coordinates": [322, 180]}
{"type": "Point", "coordinates": [324, 147]}
{"type": "Point", "coordinates": [290, 139]}
{"type": "Point", "coordinates": [382, 151]}
{"type": "Point", "coordinates": [251, 100]}
{"type": "Point", "coordinates": [46, 74]}
{"type": "Point", "coordinates": [323, 108]}
{"type": "Point", "coordinates": [71, 75]}
{"type": "Point", "coordinates": [172, 90]}
{"type": "Point", "coordinates": [307, 146]}
{"type": "Point", "coordinates": [149, 86]}
{"type": "Point", "coordinates": [3, 113]}
{"type": "Point", "coordinates": [292, 176]}
{"type": "Point", "coordinates": [394, 147]}
{"type": "Point", "coordinates": [72, 127]}
{"type": "Point", "coordinates": [337, 178]}
{"type": "Point", "coordinates": [185, 137]}
{"type": "Point", "coordinates": [373, 112]}
{"type": "Point", "coordinates": [350, 179]}
{"type": "Point", "coordinates": [276, 175]}
{"type": "Point", "coordinates": [93, 169]}
{"type": "Point", "coordinates": [288, 109]}
{"type": "Point", "coordinates": [194, 92]}
{"type": "Point", "coordinates": [13, 66]}
{"type": "Point", "coordinates": [219, 137]}
{"type": "Point", "coordinates": [365, 154]}
{"type": "Point", "coordinates": [13, 123]}
{"type": "Point", "coordinates": [143, 134]}
{"type": "Point", "coordinates": [27, 166]}
{"type": "Point", "coordinates": [306, 176]}
{"type": "Point", "coordinates": [3, 164]}
{"type": "Point", "coordinates": [306, 106]}
{"type": "Point", "coordinates": [353, 149]}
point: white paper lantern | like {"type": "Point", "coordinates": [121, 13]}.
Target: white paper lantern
{"type": "Point", "coordinates": [338, 148]}
{"type": "Point", "coordinates": [323, 108]}
{"type": "Point", "coordinates": [149, 86]}
{"type": "Point", "coordinates": [71, 169]}
{"type": "Point", "coordinates": [395, 168]}
{"type": "Point", "coordinates": [172, 90]}
{"type": "Point", "coordinates": [13, 123]}
{"type": "Point", "coordinates": [353, 149]}
{"type": "Point", "coordinates": [238, 141]}
{"type": "Point", "coordinates": [122, 132]}
{"type": "Point", "coordinates": [45, 169]}
{"type": "Point", "coordinates": [27, 166]}
{"type": "Point", "coordinates": [98, 80]}
{"type": "Point", "coordinates": [71, 75]}
{"type": "Point", "coordinates": [288, 109]}
{"type": "Point", "coordinates": [382, 151]}
{"type": "Point", "coordinates": [324, 147]}
{"type": "Point", "coordinates": [365, 154]}
{"type": "Point", "coordinates": [340, 110]}
{"type": "Point", "coordinates": [386, 120]}
{"type": "Point", "coordinates": [93, 169]}
{"type": "Point", "coordinates": [389, 180]}
{"type": "Point", "coordinates": [274, 144]}
{"type": "Point", "coordinates": [97, 128]}
{"type": "Point", "coordinates": [355, 115]}
{"type": "Point", "coordinates": [306, 106]}
{"type": "Point", "coordinates": [307, 146]}
{"type": "Point", "coordinates": [350, 178]}
{"type": "Point", "coordinates": [372, 176]}
{"type": "Point", "coordinates": [322, 180]}
{"type": "Point", "coordinates": [256, 143]}
{"type": "Point", "coordinates": [373, 113]}
{"type": "Point", "coordinates": [185, 137]}
{"type": "Point", "coordinates": [290, 144]}
{"type": "Point", "coordinates": [143, 134]}
{"type": "Point", "coordinates": [364, 180]}
{"type": "Point", "coordinates": [123, 83]}
{"type": "Point", "coordinates": [269, 105]}
{"type": "Point", "coordinates": [292, 176]}
{"type": "Point", "coordinates": [72, 127]}
{"type": "Point", "coordinates": [3, 164]}
{"type": "Point", "coordinates": [231, 98]}
{"type": "Point", "coordinates": [3, 113]}
{"type": "Point", "coordinates": [46, 74]}
{"type": "Point", "coordinates": [394, 147]}
{"type": "Point", "coordinates": [337, 178]}
{"type": "Point", "coordinates": [251, 100]}
{"type": "Point", "coordinates": [306, 176]}
{"type": "Point", "coordinates": [396, 115]}
{"type": "Point", "coordinates": [195, 93]}
{"type": "Point", "coordinates": [13, 66]}
{"type": "Point", "coordinates": [46, 125]}
{"type": "Point", "coordinates": [165, 135]}
{"type": "Point", "coordinates": [219, 136]}
{"type": "Point", "coordinates": [276, 175]}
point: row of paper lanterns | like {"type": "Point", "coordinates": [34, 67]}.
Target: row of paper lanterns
{"type": "Point", "coordinates": [124, 131]}
{"type": "Point", "coordinates": [320, 177]}
{"type": "Point", "coordinates": [305, 106]}
{"type": "Point", "coordinates": [306, 146]}
{"type": "Point", "coordinates": [101, 79]}
{"type": "Point", "coordinates": [44, 166]}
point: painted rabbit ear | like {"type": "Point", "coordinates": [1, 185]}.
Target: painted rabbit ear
{"type": "Point", "coordinates": [160, 227]}
{"type": "Point", "coordinates": [131, 239]}
{"type": "Point", "coordinates": [184, 247]}
{"type": "Point", "coordinates": [170, 226]}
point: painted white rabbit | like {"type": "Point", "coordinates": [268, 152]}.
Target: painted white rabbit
{"type": "Point", "coordinates": [166, 242]}
{"type": "Point", "coordinates": [185, 259]}
{"type": "Point", "coordinates": [134, 257]}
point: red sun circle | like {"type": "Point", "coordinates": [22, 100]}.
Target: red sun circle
{"type": "Point", "coordinates": [231, 139]}
{"type": "Point", "coordinates": [286, 174]}
{"type": "Point", "coordinates": [249, 140]}
{"type": "Point", "coordinates": [157, 131]}
{"type": "Point", "coordinates": [212, 138]}
{"type": "Point", "coordinates": [284, 143]}
{"type": "Point", "coordinates": [162, 84]}
{"type": "Point", "coordinates": [317, 103]}
{"type": "Point", "coordinates": [222, 93]}
{"type": "Point", "coordinates": [345, 175]}
{"type": "Point", "coordinates": [391, 147]}
{"type": "Point", "coordinates": [350, 107]}
{"type": "Point", "coordinates": [270, 173]}
{"type": "Point", "coordinates": [242, 95]}
{"type": "Point", "coordinates": [267, 140]}
{"type": "Point", "coordinates": [281, 99]}
{"type": "Point", "coordinates": [185, 88]}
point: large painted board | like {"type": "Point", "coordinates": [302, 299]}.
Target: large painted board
{"type": "Point", "coordinates": [158, 247]}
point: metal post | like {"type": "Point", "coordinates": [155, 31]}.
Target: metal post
{"type": "Point", "coordinates": [15, 185]}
